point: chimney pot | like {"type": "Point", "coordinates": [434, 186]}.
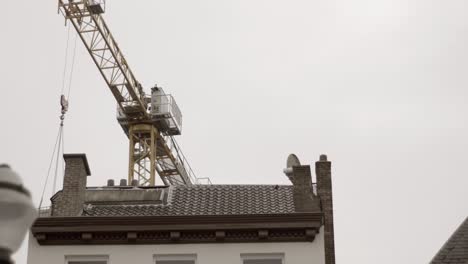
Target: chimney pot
{"type": "Point", "coordinates": [110, 182]}
{"type": "Point", "coordinates": [123, 182]}
{"type": "Point", "coordinates": [323, 157]}
{"type": "Point", "coordinates": [135, 183]}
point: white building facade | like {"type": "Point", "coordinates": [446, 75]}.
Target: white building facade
{"type": "Point", "coordinates": [212, 253]}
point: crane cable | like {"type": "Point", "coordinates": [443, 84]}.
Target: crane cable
{"type": "Point", "coordinates": [59, 145]}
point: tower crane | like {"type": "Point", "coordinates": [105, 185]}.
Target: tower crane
{"type": "Point", "coordinates": [149, 120]}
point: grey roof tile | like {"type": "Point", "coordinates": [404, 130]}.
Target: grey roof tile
{"type": "Point", "coordinates": [208, 200]}
{"type": "Point", "coordinates": [455, 250]}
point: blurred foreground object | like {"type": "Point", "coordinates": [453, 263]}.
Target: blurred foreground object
{"type": "Point", "coordinates": [17, 213]}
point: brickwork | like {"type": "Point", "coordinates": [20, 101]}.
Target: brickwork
{"type": "Point", "coordinates": [304, 200]}
{"type": "Point", "coordinates": [324, 190]}
{"type": "Point", "coordinates": [71, 199]}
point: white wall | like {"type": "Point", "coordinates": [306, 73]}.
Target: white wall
{"type": "Point", "coordinates": [228, 253]}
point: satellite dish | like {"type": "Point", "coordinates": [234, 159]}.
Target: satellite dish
{"type": "Point", "coordinates": [292, 161]}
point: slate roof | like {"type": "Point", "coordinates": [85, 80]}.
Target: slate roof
{"type": "Point", "coordinates": [208, 200]}
{"type": "Point", "coordinates": [455, 250]}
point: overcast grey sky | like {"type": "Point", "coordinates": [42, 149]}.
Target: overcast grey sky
{"type": "Point", "coordinates": [378, 85]}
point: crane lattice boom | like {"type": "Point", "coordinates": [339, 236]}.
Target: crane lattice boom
{"type": "Point", "coordinates": [105, 53]}
{"type": "Point", "coordinates": [149, 121]}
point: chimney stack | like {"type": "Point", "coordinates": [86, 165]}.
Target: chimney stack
{"type": "Point", "coordinates": [301, 178]}
{"type": "Point", "coordinates": [304, 198]}
{"type": "Point", "coordinates": [69, 202]}
{"type": "Point", "coordinates": [324, 190]}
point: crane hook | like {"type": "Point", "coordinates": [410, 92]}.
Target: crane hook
{"type": "Point", "coordinates": [64, 105]}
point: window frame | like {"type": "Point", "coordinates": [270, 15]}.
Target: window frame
{"type": "Point", "coordinates": [262, 256]}
{"type": "Point", "coordinates": [175, 257]}
{"type": "Point", "coordinates": [71, 258]}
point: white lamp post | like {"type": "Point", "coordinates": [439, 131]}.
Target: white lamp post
{"type": "Point", "coordinates": [17, 213]}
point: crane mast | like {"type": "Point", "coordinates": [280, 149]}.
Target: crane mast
{"type": "Point", "coordinates": [149, 121]}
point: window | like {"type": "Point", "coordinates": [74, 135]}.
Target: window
{"type": "Point", "coordinates": [273, 258]}
{"type": "Point", "coordinates": [96, 259]}
{"type": "Point", "coordinates": [176, 259]}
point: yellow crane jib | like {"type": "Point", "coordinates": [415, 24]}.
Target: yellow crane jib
{"type": "Point", "coordinates": [150, 121]}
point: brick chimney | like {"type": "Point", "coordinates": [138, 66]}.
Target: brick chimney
{"type": "Point", "coordinates": [69, 202]}
{"type": "Point", "coordinates": [303, 196]}
{"type": "Point", "coordinates": [324, 190]}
